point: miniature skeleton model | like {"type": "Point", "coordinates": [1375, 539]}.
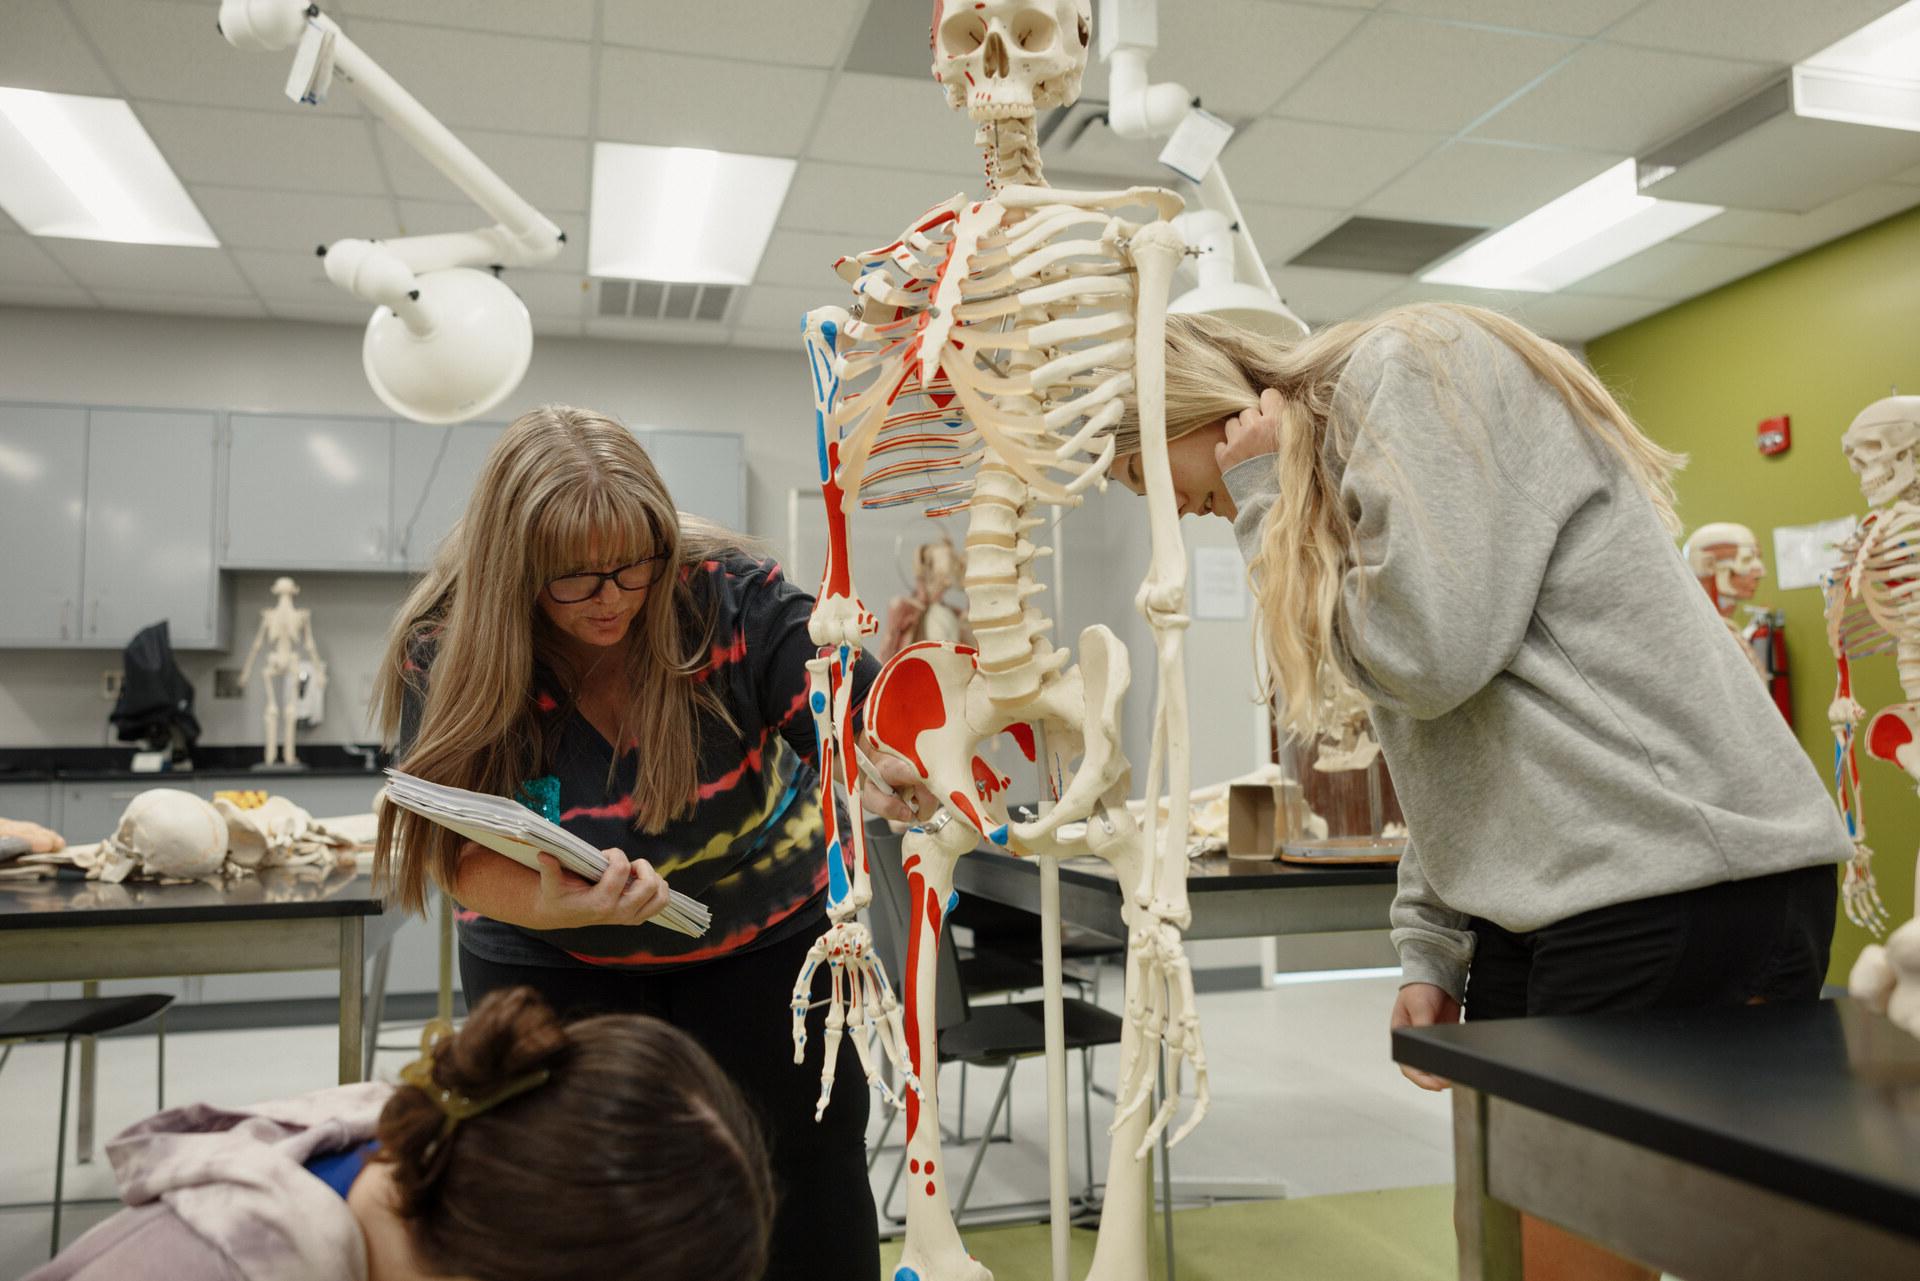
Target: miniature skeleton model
{"type": "Point", "coordinates": [1349, 743]}
{"type": "Point", "coordinates": [1881, 574]}
{"type": "Point", "coordinates": [1725, 557]}
{"type": "Point", "coordinates": [986, 353]}
{"type": "Point", "coordinates": [282, 629]}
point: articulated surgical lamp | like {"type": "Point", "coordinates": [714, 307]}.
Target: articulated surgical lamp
{"type": "Point", "coordinates": [448, 342]}
{"type": "Point", "coordinates": [1233, 281]}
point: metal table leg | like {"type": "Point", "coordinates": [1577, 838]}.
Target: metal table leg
{"type": "Point", "coordinates": [376, 1008]}
{"type": "Point", "coordinates": [1488, 1230]}
{"type": "Point", "coordinates": [89, 1050]}
{"type": "Point", "coordinates": [353, 965]}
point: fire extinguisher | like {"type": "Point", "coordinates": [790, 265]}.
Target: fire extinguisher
{"type": "Point", "coordinates": [1767, 635]}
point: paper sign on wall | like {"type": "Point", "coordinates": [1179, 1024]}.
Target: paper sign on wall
{"type": "Point", "coordinates": [1219, 583]}
{"type": "Point", "coordinates": [1803, 553]}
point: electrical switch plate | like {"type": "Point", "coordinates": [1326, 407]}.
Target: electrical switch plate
{"type": "Point", "coordinates": [110, 681]}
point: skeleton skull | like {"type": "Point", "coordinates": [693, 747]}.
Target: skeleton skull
{"type": "Point", "coordinates": [173, 834]}
{"type": "Point", "coordinates": [1879, 447]}
{"type": "Point", "coordinates": [1728, 554]}
{"type": "Point", "coordinates": [1006, 59]}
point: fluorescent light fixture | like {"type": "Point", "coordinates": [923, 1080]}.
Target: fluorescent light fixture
{"type": "Point", "coordinates": [1888, 48]}
{"type": "Point", "coordinates": [83, 169]}
{"type": "Point", "coordinates": [1593, 226]}
{"type": "Point", "coordinates": [682, 214]}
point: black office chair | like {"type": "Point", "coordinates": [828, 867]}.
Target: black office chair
{"type": "Point", "coordinates": [26, 1021]}
{"type": "Point", "coordinates": [990, 1035]}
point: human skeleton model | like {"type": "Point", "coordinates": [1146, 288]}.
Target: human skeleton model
{"type": "Point", "coordinates": [1725, 557]}
{"type": "Point", "coordinates": [1881, 574]}
{"type": "Point", "coordinates": [986, 352]}
{"type": "Point", "coordinates": [282, 629]}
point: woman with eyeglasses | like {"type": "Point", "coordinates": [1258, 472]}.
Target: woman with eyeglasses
{"type": "Point", "coordinates": [639, 676]}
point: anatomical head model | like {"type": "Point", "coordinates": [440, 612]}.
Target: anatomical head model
{"type": "Point", "coordinates": [1871, 608]}
{"type": "Point", "coordinates": [976, 366]}
{"type": "Point", "coordinates": [1725, 557]}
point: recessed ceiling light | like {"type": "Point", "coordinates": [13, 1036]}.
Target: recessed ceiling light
{"type": "Point", "coordinates": [84, 169]}
{"type": "Point", "coordinates": [682, 214]}
{"type": "Point", "coordinates": [1593, 226]}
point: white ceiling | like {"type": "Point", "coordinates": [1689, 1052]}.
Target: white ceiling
{"type": "Point", "coordinates": [1461, 111]}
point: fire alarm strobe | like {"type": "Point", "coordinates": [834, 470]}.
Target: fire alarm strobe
{"type": "Point", "coordinates": [1776, 435]}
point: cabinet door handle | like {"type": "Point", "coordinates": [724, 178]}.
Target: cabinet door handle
{"type": "Point", "coordinates": [66, 620]}
{"type": "Point", "coordinates": [93, 626]}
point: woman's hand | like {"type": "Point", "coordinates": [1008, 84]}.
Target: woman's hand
{"type": "Point", "coordinates": [1424, 1005]}
{"type": "Point", "coordinates": [1251, 434]}
{"type": "Point", "coordinates": [897, 793]}
{"type": "Point", "coordinates": [627, 893]}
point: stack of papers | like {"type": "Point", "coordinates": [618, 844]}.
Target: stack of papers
{"type": "Point", "coordinates": [522, 835]}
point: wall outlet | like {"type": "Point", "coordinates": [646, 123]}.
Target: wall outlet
{"type": "Point", "coordinates": [110, 682]}
{"type": "Point", "coordinates": [226, 682]}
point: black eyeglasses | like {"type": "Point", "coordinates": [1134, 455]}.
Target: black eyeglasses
{"type": "Point", "coordinates": [571, 589]}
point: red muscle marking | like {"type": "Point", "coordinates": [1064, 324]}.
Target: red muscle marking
{"type": "Point", "coordinates": [910, 705]}
{"type": "Point", "coordinates": [965, 806]}
{"type": "Point", "coordinates": [986, 781]}
{"type": "Point", "coordinates": [916, 886]}
{"type": "Point", "coordinates": [1023, 735]}
{"type": "Point", "coordinates": [836, 581]}
{"type": "Point", "coordinates": [1888, 733]}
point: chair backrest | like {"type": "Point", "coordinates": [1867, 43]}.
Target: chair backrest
{"type": "Point", "coordinates": [887, 916]}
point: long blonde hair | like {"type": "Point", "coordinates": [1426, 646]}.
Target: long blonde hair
{"type": "Point", "coordinates": [560, 486]}
{"type": "Point", "coordinates": [1216, 369]}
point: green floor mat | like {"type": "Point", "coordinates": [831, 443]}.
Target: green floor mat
{"type": "Point", "coordinates": [1404, 1234]}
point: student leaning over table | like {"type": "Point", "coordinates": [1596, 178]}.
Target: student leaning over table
{"type": "Point", "coordinates": [1455, 516]}
{"type": "Point", "coordinates": [516, 1149]}
{"type": "Point", "coordinates": [641, 676]}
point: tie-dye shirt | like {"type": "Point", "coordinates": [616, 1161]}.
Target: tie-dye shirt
{"type": "Point", "coordinates": [752, 850]}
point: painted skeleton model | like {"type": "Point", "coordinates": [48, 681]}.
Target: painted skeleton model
{"type": "Point", "coordinates": [1873, 604]}
{"type": "Point", "coordinates": [1725, 557]}
{"type": "Point", "coordinates": [986, 354]}
{"type": "Point", "coordinates": [283, 628]}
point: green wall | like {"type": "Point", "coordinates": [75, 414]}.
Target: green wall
{"type": "Point", "coordinates": [1818, 337]}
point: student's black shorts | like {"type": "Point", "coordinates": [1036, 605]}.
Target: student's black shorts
{"type": "Point", "coordinates": [1763, 939]}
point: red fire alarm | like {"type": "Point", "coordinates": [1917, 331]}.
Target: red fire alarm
{"type": "Point", "coordinates": [1776, 435]}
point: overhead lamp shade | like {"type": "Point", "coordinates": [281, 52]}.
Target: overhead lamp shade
{"type": "Point", "coordinates": [1248, 306]}
{"type": "Point", "coordinates": [473, 347]}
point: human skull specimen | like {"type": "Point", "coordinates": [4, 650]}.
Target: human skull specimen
{"type": "Point", "coordinates": [173, 834]}
{"type": "Point", "coordinates": [1879, 447]}
{"type": "Point", "coordinates": [1007, 59]}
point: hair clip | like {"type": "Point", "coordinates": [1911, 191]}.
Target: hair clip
{"type": "Point", "coordinates": [456, 1106]}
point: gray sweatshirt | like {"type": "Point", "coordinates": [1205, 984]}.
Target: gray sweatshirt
{"type": "Point", "coordinates": [1568, 722]}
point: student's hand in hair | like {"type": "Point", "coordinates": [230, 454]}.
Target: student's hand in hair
{"type": "Point", "coordinates": [1251, 434]}
{"type": "Point", "coordinates": [1424, 1005]}
{"type": "Point", "coordinates": [626, 894]}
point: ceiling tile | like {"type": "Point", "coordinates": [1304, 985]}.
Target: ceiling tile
{"type": "Point", "coordinates": [676, 101]}
{"type": "Point", "coordinates": [767, 339]}
{"type": "Point", "coordinates": [1563, 317]}
{"type": "Point", "coordinates": [320, 313]}
{"type": "Point", "coordinates": [1767, 30]}
{"type": "Point", "coordinates": [1559, 17]}
{"type": "Point", "coordinates": [549, 172]}
{"type": "Point", "coordinates": [43, 296]}
{"type": "Point", "coordinates": [150, 268]}
{"type": "Point", "coordinates": [800, 35]}
{"type": "Point", "coordinates": [552, 294]}
{"type": "Point", "coordinates": [1294, 161]}
{"type": "Point", "coordinates": [805, 258]}
{"type": "Point", "coordinates": [679, 332]}
{"type": "Point", "coordinates": [1611, 98]}
{"type": "Point", "coordinates": [425, 217]}
{"type": "Point", "coordinates": [178, 304]}
{"type": "Point", "coordinates": [23, 261]}
{"type": "Point", "coordinates": [1099, 150]}
{"type": "Point", "coordinates": [873, 117]}
{"type": "Point", "coordinates": [781, 307]}
{"type": "Point", "coordinates": [265, 149]}
{"type": "Point", "coordinates": [294, 278]}
{"type": "Point", "coordinates": [460, 76]}
{"type": "Point", "coordinates": [173, 53]}
{"type": "Point", "coordinates": [1675, 269]}
{"type": "Point", "coordinates": [870, 206]}
{"type": "Point", "coordinates": [1485, 184]}
{"type": "Point", "coordinates": [1281, 231]}
{"type": "Point", "coordinates": [1803, 231]}
{"type": "Point", "coordinates": [555, 19]}
{"type": "Point", "coordinates": [557, 327]}
{"type": "Point", "coordinates": [1911, 177]}
{"type": "Point", "coordinates": [1322, 295]}
{"type": "Point", "coordinates": [249, 219]}
{"type": "Point", "coordinates": [43, 50]}
{"type": "Point", "coordinates": [1407, 73]}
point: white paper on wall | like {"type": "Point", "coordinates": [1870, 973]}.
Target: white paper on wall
{"type": "Point", "coordinates": [1803, 553]}
{"type": "Point", "coordinates": [1219, 583]}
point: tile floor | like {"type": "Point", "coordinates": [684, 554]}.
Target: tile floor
{"type": "Point", "coordinates": [1303, 1094]}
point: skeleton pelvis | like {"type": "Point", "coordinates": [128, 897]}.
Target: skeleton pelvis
{"type": "Point", "coordinates": [1893, 735]}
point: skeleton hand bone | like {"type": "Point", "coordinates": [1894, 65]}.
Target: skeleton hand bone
{"type": "Point", "coordinates": [862, 1003]}
{"type": "Point", "coordinates": [1165, 1017]}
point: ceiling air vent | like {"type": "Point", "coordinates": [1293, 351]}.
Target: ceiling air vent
{"type": "Point", "coordinates": [1384, 244]}
{"type": "Point", "coordinates": [664, 300]}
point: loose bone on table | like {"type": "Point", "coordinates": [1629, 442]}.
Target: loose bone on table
{"type": "Point", "coordinates": [985, 353]}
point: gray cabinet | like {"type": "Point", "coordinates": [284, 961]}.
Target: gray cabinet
{"type": "Point", "coordinates": [149, 527]}
{"type": "Point", "coordinates": [28, 803]}
{"type": "Point", "coordinates": [43, 499]}
{"type": "Point", "coordinates": [434, 470]}
{"type": "Point", "coordinates": [705, 472]}
{"type": "Point", "coordinates": [308, 493]}
{"type": "Point", "coordinates": [90, 812]}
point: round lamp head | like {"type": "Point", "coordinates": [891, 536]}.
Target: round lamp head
{"type": "Point", "coordinates": [1248, 306]}
{"type": "Point", "coordinates": [474, 350]}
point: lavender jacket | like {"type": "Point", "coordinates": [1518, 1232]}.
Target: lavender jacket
{"type": "Point", "coordinates": [216, 1194]}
